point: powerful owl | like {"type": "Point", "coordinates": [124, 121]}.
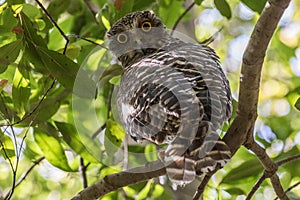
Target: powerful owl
{"type": "Point", "coordinates": [172, 93]}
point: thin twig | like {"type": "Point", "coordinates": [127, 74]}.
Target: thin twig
{"type": "Point", "coordinates": [97, 132]}
{"type": "Point", "coordinates": [263, 177]}
{"type": "Point", "coordinates": [201, 187]}
{"type": "Point", "coordinates": [83, 173]}
{"type": "Point", "coordinates": [35, 107]}
{"type": "Point", "coordinates": [290, 188]}
{"type": "Point", "coordinates": [182, 15]}
{"type": "Point", "coordinates": [54, 24]}
{"type": "Point", "coordinates": [24, 175]}
{"type": "Point", "coordinates": [256, 186]}
{"type": "Point", "coordinates": [88, 40]}
{"type": "Point", "coordinates": [93, 8]}
{"type": "Point", "coordinates": [289, 159]}
{"type": "Point", "coordinates": [10, 193]}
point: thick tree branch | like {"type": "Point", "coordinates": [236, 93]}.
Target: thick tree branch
{"type": "Point", "coordinates": [253, 58]}
{"type": "Point", "coordinates": [115, 181]}
{"type": "Point", "coordinates": [251, 72]}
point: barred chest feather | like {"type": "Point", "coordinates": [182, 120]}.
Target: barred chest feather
{"type": "Point", "coordinates": [179, 96]}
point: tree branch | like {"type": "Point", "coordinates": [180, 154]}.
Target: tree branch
{"type": "Point", "coordinates": [115, 181]}
{"type": "Point", "coordinates": [256, 186]}
{"type": "Point", "coordinates": [253, 58]}
{"type": "Point", "coordinates": [83, 172]}
{"type": "Point", "coordinates": [23, 177]}
{"type": "Point", "coordinates": [251, 72]}
{"type": "Point", "coordinates": [264, 176]}
{"type": "Point", "coordinates": [290, 188]}
{"type": "Point", "coordinates": [182, 15]}
{"type": "Point", "coordinates": [54, 24]}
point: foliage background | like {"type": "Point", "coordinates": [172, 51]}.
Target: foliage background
{"type": "Point", "coordinates": [38, 118]}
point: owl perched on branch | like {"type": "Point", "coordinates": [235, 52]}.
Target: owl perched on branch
{"type": "Point", "coordinates": [171, 92]}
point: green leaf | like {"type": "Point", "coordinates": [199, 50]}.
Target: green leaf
{"type": "Point", "coordinates": [144, 193]}
{"type": "Point", "coordinates": [30, 31]}
{"type": "Point", "coordinates": [223, 7]}
{"type": "Point", "coordinates": [31, 11]}
{"type": "Point", "coordinates": [13, 2]}
{"type": "Point", "coordinates": [9, 53]}
{"type": "Point", "coordinates": [199, 2]}
{"type": "Point", "coordinates": [115, 80]}
{"type": "Point", "coordinates": [123, 7]}
{"type": "Point", "coordinates": [150, 152]}
{"type": "Point", "coordinates": [8, 22]}
{"type": "Point", "coordinates": [169, 18]}
{"type": "Point", "coordinates": [57, 7]}
{"type": "Point", "coordinates": [105, 22]}
{"type": "Point", "coordinates": [255, 5]}
{"type": "Point", "coordinates": [114, 137]}
{"type": "Point", "coordinates": [52, 150]}
{"type": "Point", "coordinates": [247, 169]}
{"type": "Point", "coordinates": [235, 191]}
{"type": "Point", "coordinates": [21, 90]}
{"type": "Point", "coordinates": [59, 65]}
{"type": "Point", "coordinates": [297, 104]}
{"type": "Point", "coordinates": [84, 85]}
{"type": "Point", "coordinates": [45, 110]}
{"type": "Point", "coordinates": [71, 137]}
{"type": "Point", "coordinates": [7, 148]}
{"type": "Point", "coordinates": [109, 73]}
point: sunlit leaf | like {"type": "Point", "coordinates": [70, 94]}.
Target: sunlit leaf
{"type": "Point", "coordinates": [105, 22]}
{"type": "Point", "coordinates": [7, 148]}
{"type": "Point", "coordinates": [150, 152]}
{"type": "Point", "coordinates": [71, 137]}
{"type": "Point", "coordinates": [9, 53]}
{"type": "Point", "coordinates": [52, 150]}
{"type": "Point", "coordinates": [223, 7]}
{"type": "Point", "coordinates": [144, 193]}
{"type": "Point", "coordinates": [31, 11]}
{"type": "Point", "coordinates": [21, 90]}
{"type": "Point", "coordinates": [115, 80]}
{"type": "Point", "coordinates": [244, 171]}
{"type": "Point", "coordinates": [114, 135]}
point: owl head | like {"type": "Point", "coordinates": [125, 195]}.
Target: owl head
{"type": "Point", "coordinates": [135, 36]}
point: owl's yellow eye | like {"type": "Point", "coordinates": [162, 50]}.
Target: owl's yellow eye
{"type": "Point", "coordinates": [122, 38]}
{"type": "Point", "coordinates": [146, 26]}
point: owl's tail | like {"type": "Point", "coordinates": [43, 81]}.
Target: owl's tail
{"type": "Point", "coordinates": [205, 153]}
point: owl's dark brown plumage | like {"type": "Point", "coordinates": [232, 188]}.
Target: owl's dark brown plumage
{"type": "Point", "coordinates": [171, 92]}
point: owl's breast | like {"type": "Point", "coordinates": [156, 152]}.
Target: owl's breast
{"type": "Point", "coordinates": [155, 100]}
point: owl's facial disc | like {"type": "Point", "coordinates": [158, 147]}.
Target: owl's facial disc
{"type": "Point", "coordinates": [135, 36]}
